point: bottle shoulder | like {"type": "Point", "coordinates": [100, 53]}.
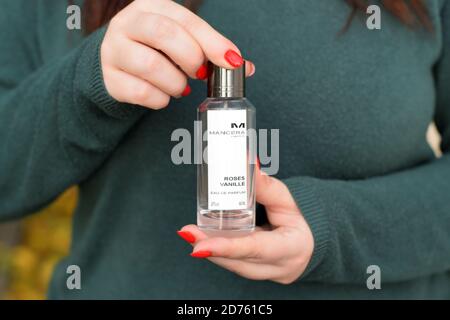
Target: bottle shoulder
{"type": "Point", "coordinates": [223, 104]}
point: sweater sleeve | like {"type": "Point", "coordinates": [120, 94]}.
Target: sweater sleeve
{"type": "Point", "coordinates": [57, 121]}
{"type": "Point", "coordinates": [399, 222]}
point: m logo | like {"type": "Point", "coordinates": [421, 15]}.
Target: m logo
{"type": "Point", "coordinates": [236, 126]}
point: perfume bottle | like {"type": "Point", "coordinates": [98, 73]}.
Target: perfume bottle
{"type": "Point", "coordinates": [227, 139]}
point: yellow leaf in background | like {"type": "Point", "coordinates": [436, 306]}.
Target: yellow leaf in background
{"type": "Point", "coordinates": [45, 240]}
{"type": "Point", "coordinates": [23, 262]}
{"type": "Point", "coordinates": [45, 272]}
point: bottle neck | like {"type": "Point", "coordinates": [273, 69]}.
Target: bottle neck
{"type": "Point", "coordinates": [226, 92]}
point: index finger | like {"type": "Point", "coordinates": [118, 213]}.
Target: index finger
{"type": "Point", "coordinates": [259, 245]}
{"type": "Point", "coordinates": [218, 49]}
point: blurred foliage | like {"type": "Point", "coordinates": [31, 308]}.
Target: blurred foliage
{"type": "Point", "coordinates": [45, 239]}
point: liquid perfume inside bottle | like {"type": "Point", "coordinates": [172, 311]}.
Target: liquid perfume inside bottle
{"type": "Point", "coordinates": [225, 176]}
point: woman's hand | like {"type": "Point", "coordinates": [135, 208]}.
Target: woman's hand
{"type": "Point", "coordinates": [150, 48]}
{"type": "Point", "coordinates": [280, 252]}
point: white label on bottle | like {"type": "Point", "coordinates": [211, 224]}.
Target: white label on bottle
{"type": "Point", "coordinates": [227, 159]}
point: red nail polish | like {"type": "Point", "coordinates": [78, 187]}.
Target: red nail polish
{"type": "Point", "coordinates": [202, 72]}
{"type": "Point", "coordinates": [201, 254]}
{"type": "Point", "coordinates": [186, 235]}
{"type": "Point", "coordinates": [234, 58]}
{"type": "Point", "coordinates": [258, 164]}
{"type": "Point", "coordinates": [186, 91]}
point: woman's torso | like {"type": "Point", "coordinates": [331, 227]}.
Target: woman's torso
{"type": "Point", "coordinates": [347, 107]}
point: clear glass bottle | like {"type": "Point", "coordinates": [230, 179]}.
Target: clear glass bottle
{"type": "Point", "coordinates": [225, 176]}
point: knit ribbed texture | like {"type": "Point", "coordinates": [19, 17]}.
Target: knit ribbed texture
{"type": "Point", "coordinates": [303, 191]}
{"type": "Point", "coordinates": [97, 89]}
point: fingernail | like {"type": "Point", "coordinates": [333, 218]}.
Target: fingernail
{"type": "Point", "coordinates": [253, 69]}
{"type": "Point", "coordinates": [186, 235]}
{"type": "Point", "coordinates": [201, 254]}
{"type": "Point", "coordinates": [202, 72]}
{"type": "Point", "coordinates": [258, 165]}
{"type": "Point", "coordinates": [186, 91]}
{"type": "Point", "coordinates": [234, 58]}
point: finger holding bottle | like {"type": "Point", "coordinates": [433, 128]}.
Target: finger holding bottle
{"type": "Point", "coordinates": [151, 47]}
{"type": "Point", "coordinates": [218, 49]}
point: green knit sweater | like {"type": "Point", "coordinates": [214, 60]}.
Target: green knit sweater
{"type": "Point", "coordinates": [352, 110]}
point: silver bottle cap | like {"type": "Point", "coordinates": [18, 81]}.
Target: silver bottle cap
{"type": "Point", "coordinates": [226, 83]}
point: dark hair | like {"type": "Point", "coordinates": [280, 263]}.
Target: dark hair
{"type": "Point", "coordinates": [411, 12]}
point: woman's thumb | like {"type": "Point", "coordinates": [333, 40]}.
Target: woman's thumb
{"type": "Point", "coordinates": [269, 190]}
